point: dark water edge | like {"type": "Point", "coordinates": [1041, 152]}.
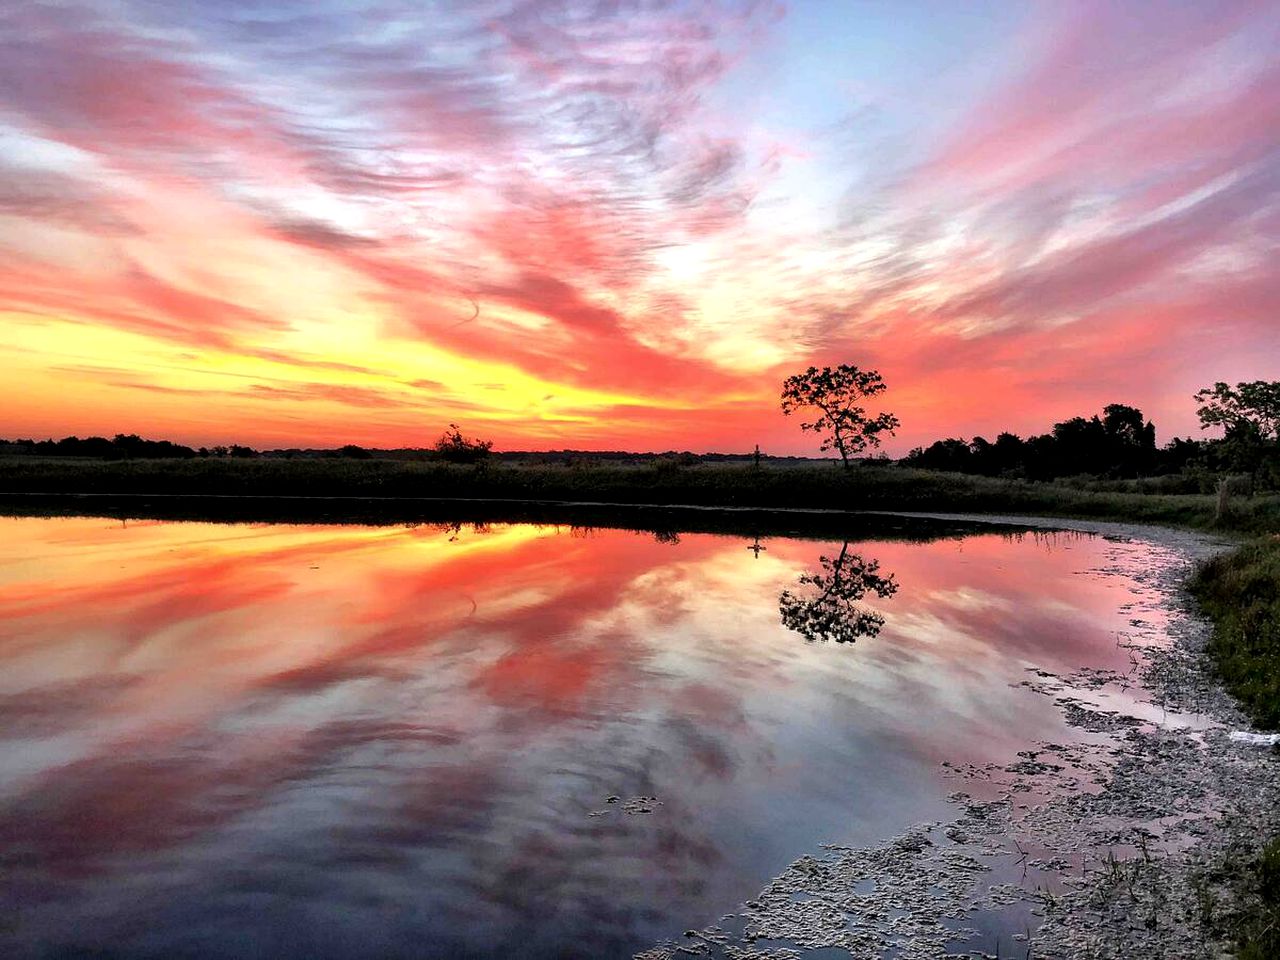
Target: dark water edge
{"type": "Point", "coordinates": [795, 522]}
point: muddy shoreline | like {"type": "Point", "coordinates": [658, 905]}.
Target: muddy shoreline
{"type": "Point", "coordinates": [1113, 846]}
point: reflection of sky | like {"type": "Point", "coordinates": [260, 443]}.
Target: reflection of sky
{"type": "Point", "coordinates": [287, 741]}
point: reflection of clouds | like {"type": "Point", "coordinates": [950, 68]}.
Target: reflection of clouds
{"type": "Point", "coordinates": [56, 708]}
{"type": "Point", "coordinates": [982, 610]}
{"type": "Point", "coordinates": [435, 717]}
{"type": "Point", "coordinates": [967, 598]}
{"type": "Point", "coordinates": [402, 745]}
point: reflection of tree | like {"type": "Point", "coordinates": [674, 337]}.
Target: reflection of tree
{"type": "Point", "coordinates": [833, 613]}
{"type": "Point", "coordinates": [454, 529]}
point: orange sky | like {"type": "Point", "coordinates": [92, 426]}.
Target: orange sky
{"type": "Point", "coordinates": [317, 223]}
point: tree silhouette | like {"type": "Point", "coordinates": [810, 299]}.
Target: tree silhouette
{"type": "Point", "coordinates": [453, 447]}
{"type": "Point", "coordinates": [832, 611]}
{"type": "Point", "coordinates": [1249, 415]}
{"type": "Point", "coordinates": [1120, 443]}
{"type": "Point", "coordinates": [835, 393]}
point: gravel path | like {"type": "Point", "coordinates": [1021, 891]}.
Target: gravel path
{"type": "Point", "coordinates": [1105, 848]}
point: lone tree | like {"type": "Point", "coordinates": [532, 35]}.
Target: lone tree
{"type": "Point", "coordinates": [1249, 415]}
{"type": "Point", "coordinates": [835, 393]}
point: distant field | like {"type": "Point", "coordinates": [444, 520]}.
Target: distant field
{"type": "Point", "coordinates": [665, 482]}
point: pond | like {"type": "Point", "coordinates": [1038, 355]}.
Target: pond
{"type": "Point", "coordinates": [263, 741]}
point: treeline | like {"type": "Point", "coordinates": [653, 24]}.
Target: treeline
{"type": "Point", "coordinates": [122, 446]}
{"type": "Point", "coordinates": [131, 446]}
{"type": "Point", "coordinates": [1119, 444]}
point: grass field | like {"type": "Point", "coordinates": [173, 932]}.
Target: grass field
{"type": "Point", "coordinates": [881, 487]}
{"type": "Point", "coordinates": [1241, 592]}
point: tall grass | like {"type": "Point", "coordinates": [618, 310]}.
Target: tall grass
{"type": "Point", "coordinates": [1241, 593]}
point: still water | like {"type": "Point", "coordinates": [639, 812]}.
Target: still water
{"type": "Point", "coordinates": [269, 741]}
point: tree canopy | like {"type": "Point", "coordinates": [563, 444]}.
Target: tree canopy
{"type": "Point", "coordinates": [1120, 443]}
{"type": "Point", "coordinates": [835, 394]}
{"type": "Point", "coordinates": [1255, 405]}
{"type": "Point", "coordinates": [1249, 415]}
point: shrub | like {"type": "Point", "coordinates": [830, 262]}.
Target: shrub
{"type": "Point", "coordinates": [453, 447]}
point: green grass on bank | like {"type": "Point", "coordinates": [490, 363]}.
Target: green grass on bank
{"type": "Point", "coordinates": [1260, 937]}
{"type": "Point", "coordinates": [1241, 593]}
{"type": "Point", "coordinates": [663, 482]}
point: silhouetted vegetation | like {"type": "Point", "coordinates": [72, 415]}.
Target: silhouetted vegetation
{"type": "Point", "coordinates": [831, 611]}
{"type": "Point", "coordinates": [373, 486]}
{"type": "Point", "coordinates": [121, 447]}
{"type": "Point", "coordinates": [1249, 415]}
{"type": "Point", "coordinates": [1120, 444]}
{"type": "Point", "coordinates": [453, 447]}
{"type": "Point", "coordinates": [1105, 466]}
{"type": "Point", "coordinates": [835, 393]}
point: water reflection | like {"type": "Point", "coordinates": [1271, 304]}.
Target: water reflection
{"type": "Point", "coordinates": [830, 611]}
{"type": "Point", "coordinates": [260, 741]}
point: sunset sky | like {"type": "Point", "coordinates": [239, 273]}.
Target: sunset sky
{"type": "Point", "coordinates": [620, 224]}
